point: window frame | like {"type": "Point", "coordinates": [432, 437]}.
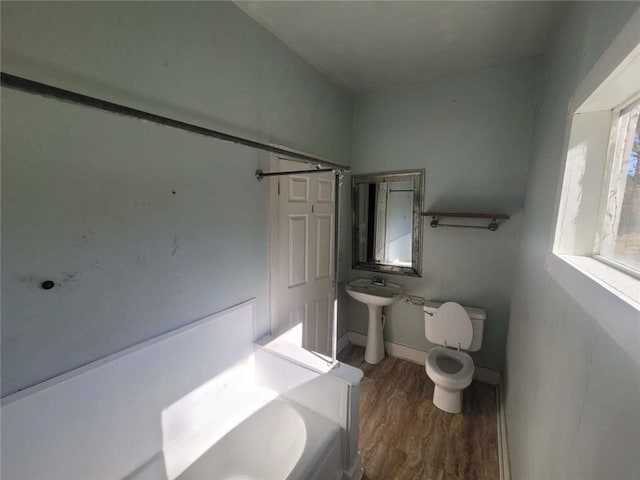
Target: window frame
{"type": "Point", "coordinates": [610, 166]}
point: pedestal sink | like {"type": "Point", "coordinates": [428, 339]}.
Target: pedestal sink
{"type": "Point", "coordinates": [375, 296]}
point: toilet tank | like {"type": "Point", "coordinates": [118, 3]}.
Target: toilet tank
{"type": "Point", "coordinates": [477, 316]}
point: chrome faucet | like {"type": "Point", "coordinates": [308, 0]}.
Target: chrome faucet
{"type": "Point", "coordinates": [378, 281]}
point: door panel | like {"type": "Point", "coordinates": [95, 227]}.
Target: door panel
{"type": "Point", "coordinates": [298, 189]}
{"type": "Point", "coordinates": [325, 190]}
{"type": "Point", "coordinates": [324, 245]}
{"type": "Point", "coordinates": [298, 233]}
{"type": "Point", "coordinates": [324, 317]}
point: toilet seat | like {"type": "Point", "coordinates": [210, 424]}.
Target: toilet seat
{"type": "Point", "coordinates": [458, 380]}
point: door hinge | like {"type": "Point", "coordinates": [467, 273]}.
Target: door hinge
{"type": "Point", "coordinates": [278, 187]}
{"type": "Point", "coordinates": [312, 208]}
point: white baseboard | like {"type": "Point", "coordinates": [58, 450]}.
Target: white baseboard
{"type": "Point", "coordinates": [343, 342]}
{"type": "Point", "coordinates": [482, 374]}
{"type": "Point", "coordinates": [503, 447]}
{"type": "Point", "coordinates": [486, 375]}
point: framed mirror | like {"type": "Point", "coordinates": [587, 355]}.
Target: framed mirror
{"type": "Point", "coordinates": [387, 222]}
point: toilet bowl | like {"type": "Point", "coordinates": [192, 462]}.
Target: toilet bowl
{"type": "Point", "coordinates": [451, 370]}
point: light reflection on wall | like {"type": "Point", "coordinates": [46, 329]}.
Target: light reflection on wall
{"type": "Point", "coordinates": [572, 196]}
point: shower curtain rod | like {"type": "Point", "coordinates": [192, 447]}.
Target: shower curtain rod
{"type": "Point", "coordinates": [29, 86]}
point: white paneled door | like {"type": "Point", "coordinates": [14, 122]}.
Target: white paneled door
{"type": "Point", "coordinates": [302, 234]}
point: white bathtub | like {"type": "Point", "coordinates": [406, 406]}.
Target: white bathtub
{"type": "Point", "coordinates": [282, 440]}
{"type": "Point", "coordinates": [200, 402]}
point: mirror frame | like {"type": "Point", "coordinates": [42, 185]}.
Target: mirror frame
{"type": "Point", "coordinates": [415, 270]}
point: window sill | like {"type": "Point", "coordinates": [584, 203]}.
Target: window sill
{"type": "Point", "coordinates": [611, 297]}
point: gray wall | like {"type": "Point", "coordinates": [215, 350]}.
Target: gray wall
{"type": "Point", "coordinates": [471, 133]}
{"type": "Point", "coordinates": [571, 392]}
{"type": "Point", "coordinates": [142, 227]}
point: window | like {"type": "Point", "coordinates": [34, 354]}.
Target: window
{"type": "Point", "coordinates": [595, 250]}
{"type": "Point", "coordinates": [619, 241]}
{"type": "Point", "coordinates": [599, 208]}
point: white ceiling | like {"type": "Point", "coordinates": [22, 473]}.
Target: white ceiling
{"type": "Point", "coordinates": [365, 46]}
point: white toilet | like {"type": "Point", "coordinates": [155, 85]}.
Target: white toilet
{"type": "Point", "coordinates": [455, 328]}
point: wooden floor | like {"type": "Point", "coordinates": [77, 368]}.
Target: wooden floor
{"type": "Point", "coordinates": [404, 437]}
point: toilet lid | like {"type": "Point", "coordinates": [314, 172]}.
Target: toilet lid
{"type": "Point", "coordinates": [451, 325]}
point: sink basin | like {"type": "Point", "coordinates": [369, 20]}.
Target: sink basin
{"type": "Point", "coordinates": [377, 295]}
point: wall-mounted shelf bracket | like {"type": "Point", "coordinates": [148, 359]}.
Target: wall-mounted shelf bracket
{"type": "Point", "coordinates": [493, 218]}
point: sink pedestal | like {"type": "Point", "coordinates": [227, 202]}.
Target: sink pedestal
{"type": "Point", "coordinates": [374, 353]}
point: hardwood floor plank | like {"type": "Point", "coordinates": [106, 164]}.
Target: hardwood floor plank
{"type": "Point", "coordinates": [404, 436]}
